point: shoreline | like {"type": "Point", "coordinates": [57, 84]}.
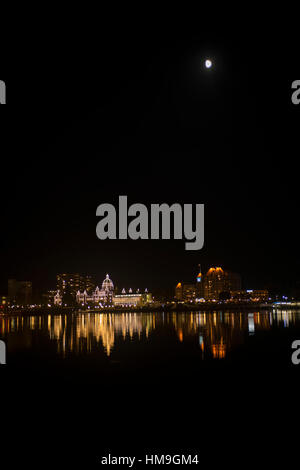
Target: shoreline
{"type": "Point", "coordinates": [208, 307]}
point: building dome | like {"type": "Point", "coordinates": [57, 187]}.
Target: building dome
{"type": "Point", "coordinates": [107, 284]}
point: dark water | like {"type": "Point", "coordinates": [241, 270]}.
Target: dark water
{"type": "Point", "coordinates": [142, 339]}
{"type": "Point", "coordinates": [128, 382]}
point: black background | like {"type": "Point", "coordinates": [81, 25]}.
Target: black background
{"type": "Point", "coordinates": [124, 106]}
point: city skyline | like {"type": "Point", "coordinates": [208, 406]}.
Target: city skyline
{"type": "Point", "coordinates": [137, 276]}
{"type": "Point", "coordinates": [189, 273]}
{"type": "Point", "coordinates": [214, 284]}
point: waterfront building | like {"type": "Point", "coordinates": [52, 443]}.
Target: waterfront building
{"type": "Point", "coordinates": [218, 281]}
{"type": "Point", "coordinates": [19, 292]}
{"type": "Point", "coordinates": [85, 296]}
{"type": "Point", "coordinates": [179, 292]}
{"type": "Point", "coordinates": [189, 291]}
{"type": "Point", "coordinates": [73, 283]}
{"type": "Point", "coordinates": [89, 284]}
{"type": "Point", "coordinates": [200, 285]}
{"type": "Point", "coordinates": [106, 296]}
{"type": "Point", "coordinates": [214, 283]}
{"type": "Point", "coordinates": [258, 295]}
{"type": "Point", "coordinates": [48, 297]}
{"type": "Point", "coordinates": [253, 295]}
{"type": "Point", "coordinates": [240, 295]}
{"type": "Point", "coordinates": [185, 291]}
{"type": "Point", "coordinates": [102, 296]}
{"type": "Point", "coordinates": [137, 299]}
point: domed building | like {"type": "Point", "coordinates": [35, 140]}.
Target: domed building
{"type": "Point", "coordinates": [107, 284]}
{"type": "Point", "coordinates": [105, 296]}
{"type": "Point", "coordinates": [102, 296]}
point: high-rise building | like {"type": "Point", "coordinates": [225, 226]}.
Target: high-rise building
{"type": "Point", "coordinates": [89, 284]}
{"type": "Point", "coordinates": [73, 283]}
{"type": "Point", "coordinates": [219, 281]}
{"type": "Point", "coordinates": [189, 291]}
{"type": "Point", "coordinates": [200, 284]}
{"type": "Point", "coordinates": [216, 281]}
{"type": "Point", "coordinates": [19, 292]}
{"type": "Point", "coordinates": [179, 292]}
{"type": "Point", "coordinates": [185, 291]}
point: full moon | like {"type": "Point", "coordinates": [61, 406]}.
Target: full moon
{"type": "Point", "coordinates": [208, 63]}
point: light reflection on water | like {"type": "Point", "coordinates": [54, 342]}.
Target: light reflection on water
{"type": "Point", "coordinates": [215, 333]}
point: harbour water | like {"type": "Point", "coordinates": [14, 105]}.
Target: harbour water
{"type": "Point", "coordinates": [126, 382]}
{"type": "Point", "coordinates": [99, 341]}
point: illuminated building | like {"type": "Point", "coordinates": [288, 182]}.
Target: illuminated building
{"type": "Point", "coordinates": [218, 281]}
{"type": "Point", "coordinates": [48, 297]}
{"type": "Point", "coordinates": [19, 292]}
{"type": "Point", "coordinates": [178, 292]}
{"type": "Point", "coordinates": [89, 283]}
{"type": "Point", "coordinates": [187, 292]}
{"type": "Point", "coordinates": [258, 295]}
{"type": "Point", "coordinates": [73, 283]}
{"type": "Point", "coordinates": [214, 283]}
{"type": "Point", "coordinates": [98, 296]}
{"type": "Point", "coordinates": [240, 295]}
{"type": "Point", "coordinates": [106, 297]}
{"type": "Point", "coordinates": [200, 285]}
{"type": "Point", "coordinates": [132, 299]}
{"type": "Point", "coordinates": [250, 294]}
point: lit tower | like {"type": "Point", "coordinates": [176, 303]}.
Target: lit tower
{"type": "Point", "coordinates": [199, 284]}
{"type": "Point", "coordinates": [108, 289]}
{"type": "Point", "coordinates": [179, 291]}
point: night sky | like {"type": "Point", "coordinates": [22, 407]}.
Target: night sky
{"type": "Point", "coordinates": [134, 112]}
